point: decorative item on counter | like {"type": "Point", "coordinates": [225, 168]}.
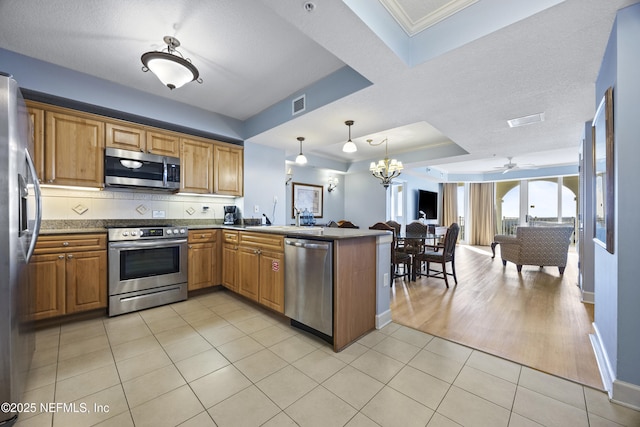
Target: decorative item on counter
{"type": "Point", "coordinates": [307, 217]}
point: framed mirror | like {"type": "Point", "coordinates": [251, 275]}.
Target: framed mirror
{"type": "Point", "coordinates": [603, 176]}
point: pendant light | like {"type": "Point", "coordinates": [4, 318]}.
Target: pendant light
{"type": "Point", "coordinates": [170, 66]}
{"type": "Point", "coordinates": [301, 159]}
{"type": "Point", "coordinates": [349, 146]}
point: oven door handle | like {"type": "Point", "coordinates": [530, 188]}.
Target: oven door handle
{"type": "Point", "coordinates": [147, 244]}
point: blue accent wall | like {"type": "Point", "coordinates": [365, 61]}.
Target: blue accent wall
{"type": "Point", "coordinates": [617, 292]}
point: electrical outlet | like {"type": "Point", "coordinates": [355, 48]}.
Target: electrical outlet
{"type": "Point", "coordinates": [158, 214]}
{"type": "Point", "coordinates": [386, 280]}
{"type": "Point", "coordinates": [256, 209]}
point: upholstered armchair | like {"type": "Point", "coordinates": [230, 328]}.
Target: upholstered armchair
{"type": "Point", "coordinates": [543, 246]}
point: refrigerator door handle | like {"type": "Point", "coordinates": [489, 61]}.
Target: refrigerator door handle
{"type": "Point", "coordinates": [38, 200]}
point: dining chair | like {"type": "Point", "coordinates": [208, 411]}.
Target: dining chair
{"type": "Point", "coordinates": [396, 226]}
{"type": "Point", "coordinates": [442, 254]}
{"type": "Point", "coordinates": [398, 258]}
{"type": "Point", "coordinates": [346, 224]}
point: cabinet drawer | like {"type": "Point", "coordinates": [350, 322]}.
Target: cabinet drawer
{"type": "Point", "coordinates": [70, 242]}
{"type": "Point", "coordinates": [262, 240]}
{"type": "Point", "coordinates": [202, 236]}
{"type": "Point", "coordinates": [230, 237]}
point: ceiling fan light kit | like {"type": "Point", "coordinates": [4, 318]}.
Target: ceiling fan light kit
{"type": "Point", "coordinates": [171, 68]}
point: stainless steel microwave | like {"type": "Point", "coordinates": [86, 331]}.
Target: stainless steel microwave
{"type": "Point", "coordinates": [124, 168]}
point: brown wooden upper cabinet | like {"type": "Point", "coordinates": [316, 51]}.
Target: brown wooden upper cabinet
{"type": "Point", "coordinates": [208, 167]}
{"type": "Point", "coordinates": [69, 150]}
{"type": "Point", "coordinates": [74, 150]}
{"type": "Point", "coordinates": [36, 116]}
{"type": "Point", "coordinates": [136, 138]}
{"type": "Point", "coordinates": [228, 166]}
{"type": "Point", "coordinates": [196, 166]}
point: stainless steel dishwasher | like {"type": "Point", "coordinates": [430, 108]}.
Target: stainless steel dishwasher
{"type": "Point", "coordinates": [308, 285]}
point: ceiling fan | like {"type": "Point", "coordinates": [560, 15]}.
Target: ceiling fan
{"type": "Point", "coordinates": [510, 165]}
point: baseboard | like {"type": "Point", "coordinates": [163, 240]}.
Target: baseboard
{"type": "Point", "coordinates": [604, 366]}
{"type": "Point", "coordinates": [588, 297]}
{"type": "Point", "coordinates": [383, 319]}
{"type": "Point", "coordinates": [626, 394]}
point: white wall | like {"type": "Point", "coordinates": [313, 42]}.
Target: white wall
{"type": "Point", "coordinates": [264, 183]}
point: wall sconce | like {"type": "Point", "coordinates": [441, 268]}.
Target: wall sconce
{"type": "Point", "coordinates": [289, 177]}
{"type": "Point", "coordinates": [333, 183]}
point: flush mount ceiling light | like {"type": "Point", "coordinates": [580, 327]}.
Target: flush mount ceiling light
{"type": "Point", "coordinates": [526, 120]}
{"type": "Point", "coordinates": [349, 146]}
{"type": "Point", "coordinates": [301, 159]}
{"type": "Point", "coordinates": [170, 66]}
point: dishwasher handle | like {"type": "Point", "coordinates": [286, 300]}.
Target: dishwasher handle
{"type": "Point", "coordinates": [306, 245]}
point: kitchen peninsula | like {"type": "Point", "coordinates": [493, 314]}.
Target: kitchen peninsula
{"type": "Point", "coordinates": [250, 261]}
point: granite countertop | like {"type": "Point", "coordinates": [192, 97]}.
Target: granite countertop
{"type": "Point", "coordinates": [311, 232]}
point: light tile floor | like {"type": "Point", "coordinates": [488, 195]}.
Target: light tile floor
{"type": "Point", "coordinates": [218, 360]}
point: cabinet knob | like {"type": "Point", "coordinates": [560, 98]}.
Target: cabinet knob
{"type": "Point", "coordinates": [65, 243]}
{"type": "Point", "coordinates": [202, 235]}
{"type": "Point", "coordinates": [190, 247]}
{"type": "Point", "coordinates": [60, 256]}
{"type": "Point", "coordinates": [69, 256]}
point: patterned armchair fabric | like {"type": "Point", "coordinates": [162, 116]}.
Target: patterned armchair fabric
{"type": "Point", "coordinates": [543, 246]}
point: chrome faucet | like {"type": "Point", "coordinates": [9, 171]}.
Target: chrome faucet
{"type": "Point", "coordinates": [297, 211]}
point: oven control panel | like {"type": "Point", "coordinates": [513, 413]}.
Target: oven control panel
{"type": "Point", "coordinates": [146, 233]}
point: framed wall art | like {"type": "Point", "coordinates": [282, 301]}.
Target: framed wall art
{"type": "Point", "coordinates": [603, 176]}
{"type": "Point", "coordinates": [307, 196]}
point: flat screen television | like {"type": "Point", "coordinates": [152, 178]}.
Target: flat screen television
{"type": "Point", "coordinates": [428, 203]}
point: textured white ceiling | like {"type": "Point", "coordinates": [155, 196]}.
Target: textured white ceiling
{"type": "Point", "coordinates": [254, 53]}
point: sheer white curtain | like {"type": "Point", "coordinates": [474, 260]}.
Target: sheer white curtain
{"type": "Point", "coordinates": [449, 203]}
{"type": "Point", "coordinates": [482, 213]}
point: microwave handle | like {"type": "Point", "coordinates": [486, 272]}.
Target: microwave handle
{"type": "Point", "coordinates": [164, 172]}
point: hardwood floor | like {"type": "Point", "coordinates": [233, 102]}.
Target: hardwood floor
{"type": "Point", "coordinates": [534, 318]}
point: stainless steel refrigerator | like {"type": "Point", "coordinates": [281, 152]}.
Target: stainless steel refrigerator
{"type": "Point", "coordinates": [20, 215]}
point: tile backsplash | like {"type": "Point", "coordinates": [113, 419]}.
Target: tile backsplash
{"type": "Point", "coordinates": [72, 204]}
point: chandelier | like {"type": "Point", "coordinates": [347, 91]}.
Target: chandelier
{"type": "Point", "coordinates": [170, 66]}
{"type": "Point", "coordinates": [385, 170]}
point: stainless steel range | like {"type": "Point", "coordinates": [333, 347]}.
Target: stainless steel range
{"type": "Point", "coordinates": [147, 267]}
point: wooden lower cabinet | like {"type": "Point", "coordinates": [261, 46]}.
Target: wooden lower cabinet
{"type": "Point", "coordinates": [230, 260]}
{"type": "Point", "coordinates": [48, 284]}
{"type": "Point", "coordinates": [68, 274]}
{"type": "Point", "coordinates": [248, 272]}
{"type": "Point", "coordinates": [271, 280]}
{"type": "Point", "coordinates": [203, 269]}
{"type": "Point", "coordinates": [261, 269]}
{"type": "Point", "coordinates": [86, 280]}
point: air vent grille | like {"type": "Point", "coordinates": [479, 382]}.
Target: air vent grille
{"type": "Point", "coordinates": [298, 105]}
